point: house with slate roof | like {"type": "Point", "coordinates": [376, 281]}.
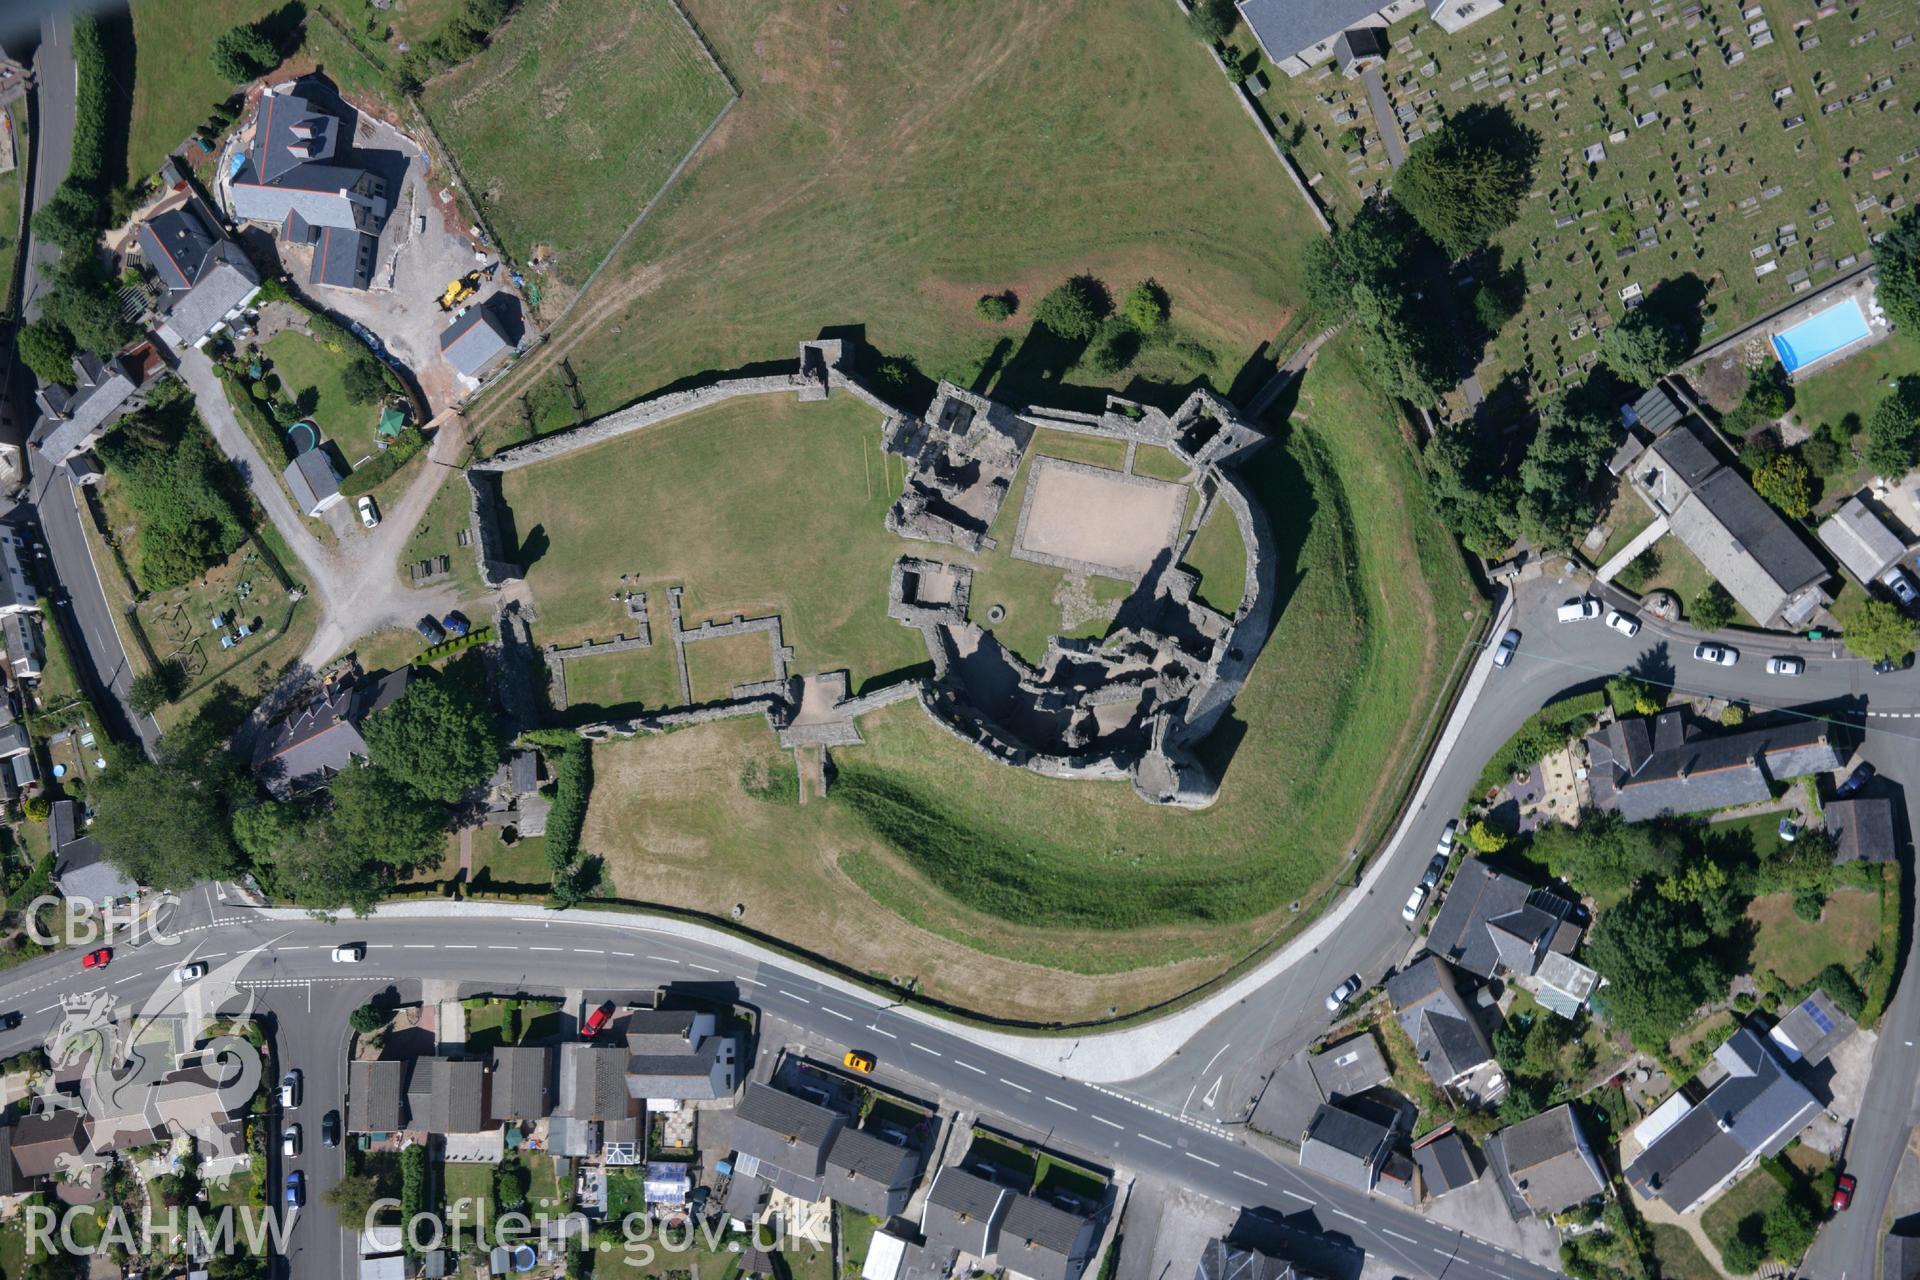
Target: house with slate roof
{"type": "Point", "coordinates": [205, 279]}
{"type": "Point", "coordinates": [1861, 541]}
{"type": "Point", "coordinates": [297, 175]}
{"type": "Point", "coordinates": [313, 481]}
{"type": "Point", "coordinates": [676, 1056]}
{"type": "Point", "coordinates": [1300, 34]}
{"type": "Point", "coordinates": [1900, 1253]}
{"type": "Point", "coordinates": [1811, 1030]}
{"type": "Point", "coordinates": [80, 868]}
{"type": "Point", "coordinates": [593, 1113]}
{"type": "Point", "coordinates": [519, 1088]}
{"type": "Point", "coordinates": [962, 1217]}
{"type": "Point", "coordinates": [1222, 1261]}
{"type": "Point", "coordinates": [17, 595]}
{"type": "Point", "coordinates": [1743, 542]}
{"type": "Point", "coordinates": [783, 1140]}
{"type": "Point", "coordinates": [1490, 922]}
{"type": "Point", "coordinates": [1446, 1162]}
{"type": "Point", "coordinates": [72, 422]}
{"type": "Point", "coordinates": [1546, 1162]}
{"type": "Point", "coordinates": [1862, 829]}
{"type": "Point", "coordinates": [448, 1095]}
{"type": "Point", "coordinates": [318, 738]}
{"type": "Point", "coordinates": [1447, 1038]}
{"type": "Point", "coordinates": [869, 1174]}
{"type": "Point", "coordinates": [376, 1096]}
{"type": "Point", "coordinates": [1041, 1241]}
{"type": "Point", "coordinates": [475, 343]}
{"type": "Point", "coordinates": [20, 634]}
{"type": "Point", "coordinates": [1346, 1146]}
{"type": "Point", "coordinates": [1755, 1109]}
{"type": "Point", "coordinates": [1651, 766]}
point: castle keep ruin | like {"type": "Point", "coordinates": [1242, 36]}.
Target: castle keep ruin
{"type": "Point", "coordinates": [1133, 705]}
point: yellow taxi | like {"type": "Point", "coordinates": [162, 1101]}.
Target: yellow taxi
{"type": "Point", "coordinates": [858, 1061]}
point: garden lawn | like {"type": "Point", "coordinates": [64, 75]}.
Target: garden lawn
{"type": "Point", "coordinates": [474, 1182]}
{"type": "Point", "coordinates": [523, 863]}
{"type": "Point", "coordinates": [572, 118]}
{"type": "Point", "coordinates": [889, 164]}
{"type": "Point", "coordinates": [1752, 1196]}
{"type": "Point", "coordinates": [1856, 384]}
{"type": "Point", "coordinates": [763, 505]}
{"type": "Point", "coordinates": [856, 1238]}
{"type": "Point", "coordinates": [1799, 949]}
{"type": "Point", "coordinates": [302, 365]}
{"type": "Point", "coordinates": [992, 902]}
{"type": "Point", "coordinates": [1680, 1258]}
{"type": "Point", "coordinates": [714, 667]}
{"type": "Point", "coordinates": [1111, 454]}
{"type": "Point", "coordinates": [174, 83]}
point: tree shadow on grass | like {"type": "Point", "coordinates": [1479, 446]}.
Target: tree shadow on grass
{"type": "Point", "coordinates": [1036, 373]}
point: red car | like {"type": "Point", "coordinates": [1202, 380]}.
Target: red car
{"type": "Point", "coordinates": [1843, 1192]}
{"type": "Point", "coordinates": [597, 1021]}
{"type": "Point", "coordinates": [96, 959]}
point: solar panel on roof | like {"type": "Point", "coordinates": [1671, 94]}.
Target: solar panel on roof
{"type": "Point", "coordinates": [1820, 1019]}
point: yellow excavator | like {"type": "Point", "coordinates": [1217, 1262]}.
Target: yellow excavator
{"type": "Point", "coordinates": [460, 290]}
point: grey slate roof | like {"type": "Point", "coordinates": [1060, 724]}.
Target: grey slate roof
{"type": "Point", "coordinates": [520, 1090]}
{"type": "Point", "coordinates": [312, 479]}
{"type": "Point", "coordinates": [1344, 1146]}
{"type": "Point", "coordinates": [1755, 1110]}
{"type": "Point", "coordinates": [786, 1136]}
{"type": "Point", "coordinates": [475, 342]}
{"type": "Point", "coordinates": [1446, 1036]}
{"type": "Point", "coordinates": [1549, 1163]}
{"type": "Point", "coordinates": [321, 737]}
{"type": "Point", "coordinates": [225, 286]}
{"type": "Point", "coordinates": [1743, 542]}
{"type": "Point", "coordinates": [83, 872]}
{"type": "Point", "coordinates": [286, 177]}
{"type": "Point", "coordinates": [1350, 1067]}
{"type": "Point", "coordinates": [1285, 27]}
{"type": "Point", "coordinates": [1860, 540]}
{"type": "Point", "coordinates": [1446, 1164]}
{"type": "Point", "coordinates": [868, 1174]}
{"type": "Point", "coordinates": [1679, 766]}
{"type": "Point", "coordinates": [1464, 930]}
{"type": "Point", "coordinates": [375, 1091]}
{"type": "Point", "coordinates": [1900, 1256]}
{"type": "Point", "coordinates": [963, 1213]}
{"type": "Point", "coordinates": [1811, 1030]}
{"type": "Point", "coordinates": [1222, 1261]}
{"type": "Point", "coordinates": [101, 389]}
{"type": "Point", "coordinates": [1041, 1241]}
{"type": "Point", "coordinates": [593, 1082]}
{"type": "Point", "coordinates": [1657, 411]}
{"type": "Point", "coordinates": [447, 1096]}
{"type": "Point", "coordinates": [1862, 830]}
{"type": "Point", "coordinates": [177, 244]}
{"type": "Point", "coordinates": [343, 257]}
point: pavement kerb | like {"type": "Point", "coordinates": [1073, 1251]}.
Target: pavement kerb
{"type": "Point", "coordinates": [1095, 1058]}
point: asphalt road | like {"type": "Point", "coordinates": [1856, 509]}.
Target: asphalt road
{"type": "Point", "coordinates": [56, 80]}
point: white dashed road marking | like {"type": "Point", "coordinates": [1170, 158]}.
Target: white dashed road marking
{"type": "Point", "coordinates": [1110, 1124]}
{"type": "Point", "coordinates": [1155, 1141]}
{"type": "Point", "coordinates": [1202, 1159]}
{"type": "Point", "coordinates": [1056, 1102]}
{"type": "Point", "coordinates": [979, 1071]}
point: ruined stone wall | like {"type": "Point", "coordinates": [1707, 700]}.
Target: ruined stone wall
{"type": "Point", "coordinates": [1251, 621]}
{"type": "Point", "coordinates": [483, 525]}
{"type": "Point", "coordinates": [648, 413]}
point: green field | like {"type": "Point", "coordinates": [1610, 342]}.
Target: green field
{"type": "Point", "coordinates": [1219, 556]}
{"type": "Point", "coordinates": [972, 857]}
{"type": "Point", "coordinates": [11, 185]}
{"type": "Point", "coordinates": [438, 533]}
{"type": "Point", "coordinates": [572, 118]}
{"type": "Point", "coordinates": [714, 667]}
{"type": "Point", "coordinates": [610, 683]}
{"type": "Point", "coordinates": [760, 506]}
{"type": "Point", "coordinates": [888, 164]}
{"type": "Point", "coordinates": [308, 371]}
{"type": "Point", "coordinates": [174, 83]}
{"type": "Point", "coordinates": [1799, 949]}
{"type": "Point", "coordinates": [1714, 175]}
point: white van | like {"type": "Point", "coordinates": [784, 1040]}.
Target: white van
{"type": "Point", "coordinates": [1579, 610]}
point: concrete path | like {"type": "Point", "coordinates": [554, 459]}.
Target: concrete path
{"type": "Point", "coordinates": [1383, 118]}
{"type": "Point", "coordinates": [1631, 552]}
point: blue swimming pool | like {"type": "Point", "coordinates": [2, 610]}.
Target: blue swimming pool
{"type": "Point", "coordinates": [1819, 336]}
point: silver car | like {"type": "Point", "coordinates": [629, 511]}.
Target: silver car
{"type": "Point", "coordinates": [1508, 643]}
{"type": "Point", "coordinates": [1338, 997]}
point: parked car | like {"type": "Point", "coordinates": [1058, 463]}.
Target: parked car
{"type": "Point", "coordinates": [1508, 644]}
{"type": "Point", "coordinates": [1724, 655]}
{"type": "Point", "coordinates": [8, 1021]}
{"type": "Point", "coordinates": [330, 1129]}
{"type": "Point", "coordinates": [1436, 868]}
{"type": "Point", "coordinates": [350, 953]}
{"type": "Point", "coordinates": [597, 1021]}
{"type": "Point", "coordinates": [290, 1141]}
{"type": "Point", "coordinates": [1579, 610]}
{"type": "Point", "coordinates": [188, 972]}
{"type": "Point", "coordinates": [1896, 581]}
{"type": "Point", "coordinates": [1786, 666]}
{"type": "Point", "coordinates": [1857, 779]}
{"type": "Point", "coordinates": [1625, 624]}
{"type": "Point", "coordinates": [369, 514]}
{"type": "Point", "coordinates": [296, 1189]}
{"type": "Point", "coordinates": [1788, 831]}
{"type": "Point", "coordinates": [99, 959]}
{"type": "Point", "coordinates": [1338, 997]}
{"type": "Point", "coordinates": [1415, 900]}
{"type": "Point", "coordinates": [1445, 848]}
{"type": "Point", "coordinates": [1843, 1192]}
{"type": "Point", "coordinates": [430, 630]}
{"type": "Point", "coordinates": [455, 623]}
{"type": "Point", "coordinates": [859, 1060]}
{"type": "Point", "coordinates": [290, 1089]}
{"type": "Point", "coordinates": [1887, 666]}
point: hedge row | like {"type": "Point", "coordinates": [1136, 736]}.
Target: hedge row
{"type": "Point", "coordinates": [90, 107]}
{"type": "Point", "coordinates": [572, 784]}
{"type": "Point", "coordinates": [479, 635]}
{"type": "Point", "coordinates": [267, 435]}
{"type": "Point", "coordinates": [1546, 732]}
{"type": "Point", "coordinates": [398, 453]}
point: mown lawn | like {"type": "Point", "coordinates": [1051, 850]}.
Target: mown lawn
{"type": "Point", "coordinates": [976, 860]}
{"type": "Point", "coordinates": [1680, 1258]}
{"type": "Point", "coordinates": [174, 83]}
{"type": "Point", "coordinates": [437, 534]}
{"type": "Point", "coordinates": [1219, 556]}
{"type": "Point", "coordinates": [607, 683]}
{"type": "Point", "coordinates": [1798, 949]}
{"type": "Point", "coordinates": [1856, 384]}
{"type": "Point", "coordinates": [11, 185]}
{"type": "Point", "coordinates": [571, 119]}
{"type": "Point", "coordinates": [714, 667]}
{"type": "Point", "coordinates": [889, 164]}
{"type": "Point", "coordinates": [308, 371]}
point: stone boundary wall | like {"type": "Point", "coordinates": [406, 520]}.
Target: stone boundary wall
{"type": "Point", "coordinates": [637, 417]}
{"type": "Point", "coordinates": [1251, 621]}
{"type": "Point", "coordinates": [483, 525]}
{"type": "Point", "coordinates": [684, 717]}
{"type": "Point", "coordinates": [557, 659]}
{"type": "Point", "coordinates": [980, 735]}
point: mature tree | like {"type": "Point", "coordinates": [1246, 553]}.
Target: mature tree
{"type": "Point", "coordinates": [363, 382]}
{"type": "Point", "coordinates": [1655, 952]}
{"type": "Point", "coordinates": [243, 53]}
{"type": "Point", "coordinates": [437, 738]}
{"type": "Point", "coordinates": [1893, 431]}
{"type": "Point", "coordinates": [1075, 309]}
{"type": "Point", "coordinates": [1464, 182]}
{"type": "Point", "coordinates": [1485, 837]}
{"type": "Point", "coordinates": [1605, 855]}
{"type": "Point", "coordinates": [1634, 697]}
{"type": "Point", "coordinates": [154, 689]}
{"type": "Point", "coordinates": [70, 219]}
{"type": "Point", "coordinates": [1558, 501]}
{"type": "Point", "coordinates": [1878, 631]}
{"type": "Point", "coordinates": [1374, 249]}
{"type": "Point", "coordinates": [369, 1018]}
{"type": "Point", "coordinates": [1712, 609]}
{"type": "Point", "coordinates": [1788, 1229]}
{"type": "Point", "coordinates": [1471, 500]}
{"type": "Point", "coordinates": [377, 818]}
{"type": "Point", "coordinates": [1643, 347]}
{"type": "Point", "coordinates": [1213, 20]}
{"type": "Point", "coordinates": [86, 302]}
{"type": "Point", "coordinates": [351, 1198]}
{"type": "Point", "coordinates": [1407, 354]}
{"type": "Point", "coordinates": [1787, 483]}
{"type": "Point", "coordinates": [48, 350]}
{"type": "Point", "coordinates": [1147, 306]}
{"type": "Point", "coordinates": [1744, 1252]}
{"type": "Point", "coordinates": [266, 830]}
{"type": "Point", "coordinates": [1897, 263]}
{"type": "Point", "coordinates": [163, 824]}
